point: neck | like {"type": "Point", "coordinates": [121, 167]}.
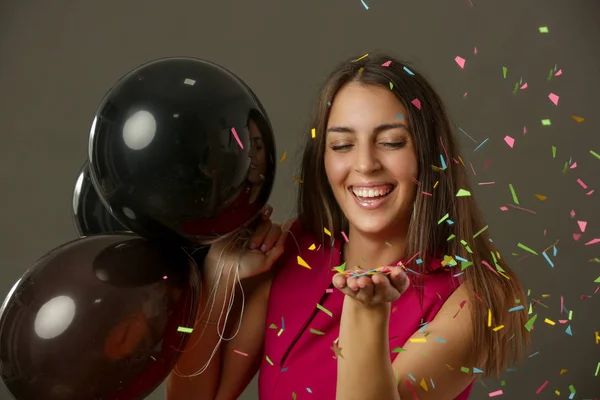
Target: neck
{"type": "Point", "coordinates": [369, 251]}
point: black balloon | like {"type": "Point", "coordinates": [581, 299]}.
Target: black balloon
{"type": "Point", "coordinates": [97, 318]}
{"type": "Point", "coordinates": [90, 215]}
{"type": "Point", "coordinates": [182, 150]}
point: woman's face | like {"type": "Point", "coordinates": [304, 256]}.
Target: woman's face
{"type": "Point", "coordinates": [257, 156]}
{"type": "Point", "coordinates": [370, 160]}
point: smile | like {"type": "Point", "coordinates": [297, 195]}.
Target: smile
{"type": "Point", "coordinates": [371, 197]}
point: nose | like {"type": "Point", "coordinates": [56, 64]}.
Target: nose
{"type": "Point", "coordinates": [366, 160]}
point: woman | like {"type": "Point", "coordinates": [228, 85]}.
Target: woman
{"type": "Point", "coordinates": [383, 172]}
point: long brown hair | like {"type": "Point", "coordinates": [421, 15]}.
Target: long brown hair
{"type": "Point", "coordinates": [493, 287]}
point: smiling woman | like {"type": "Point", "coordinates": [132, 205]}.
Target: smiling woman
{"type": "Point", "coordinates": [406, 307]}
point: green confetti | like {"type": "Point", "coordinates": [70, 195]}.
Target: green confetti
{"type": "Point", "coordinates": [445, 217]}
{"type": "Point", "coordinates": [391, 85]}
{"type": "Point", "coordinates": [388, 244]}
{"type": "Point", "coordinates": [597, 369]}
{"type": "Point", "coordinates": [504, 71]}
{"type": "Point", "coordinates": [592, 152]}
{"type": "Point", "coordinates": [550, 74]}
{"type": "Point", "coordinates": [185, 330]}
{"type": "Point", "coordinates": [564, 171]}
{"type": "Point", "coordinates": [553, 151]}
{"type": "Point", "coordinates": [522, 246]}
{"type": "Point", "coordinates": [272, 326]}
{"type": "Point", "coordinates": [572, 389]}
{"type": "Point", "coordinates": [464, 369]}
{"type": "Point", "coordinates": [269, 360]}
{"type": "Point", "coordinates": [453, 236]}
{"type": "Point", "coordinates": [465, 265]}
{"type": "Point", "coordinates": [463, 193]}
{"type": "Point", "coordinates": [597, 280]}
{"type": "Point", "coordinates": [530, 323]}
{"type": "Point", "coordinates": [543, 29]}
{"type": "Point", "coordinates": [481, 231]}
{"type": "Point", "coordinates": [398, 350]}
{"type": "Point", "coordinates": [294, 395]}
{"type": "Point", "coordinates": [514, 195]}
{"type": "Point", "coordinates": [546, 122]}
{"type": "Point", "coordinates": [516, 89]}
{"type": "Point", "coordinates": [326, 311]}
{"type": "Point", "coordinates": [316, 332]}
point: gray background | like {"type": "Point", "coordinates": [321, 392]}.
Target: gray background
{"type": "Point", "coordinates": [57, 59]}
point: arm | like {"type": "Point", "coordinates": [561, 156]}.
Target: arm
{"type": "Point", "coordinates": [364, 370]}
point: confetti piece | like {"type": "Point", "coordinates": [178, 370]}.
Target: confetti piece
{"type": "Point", "coordinates": [496, 393]}
{"type": "Point", "coordinates": [568, 331]}
{"type": "Point", "coordinates": [583, 185]}
{"type": "Point", "coordinates": [543, 29]}
{"type": "Point", "coordinates": [592, 152]}
{"type": "Point", "coordinates": [408, 71]}
{"type": "Point", "coordinates": [345, 237]}
{"type": "Point", "coordinates": [480, 231]}
{"type": "Point", "coordinates": [504, 71]}
{"type": "Point", "coordinates": [316, 332]}
{"type": "Point", "coordinates": [313, 133]}
{"type": "Point", "coordinates": [496, 329]}
{"type": "Point", "coordinates": [463, 193]}
{"type": "Point", "coordinates": [529, 324]}
{"type": "Point", "coordinates": [553, 151]}
{"type": "Point", "coordinates": [475, 50]}
{"type": "Point", "coordinates": [541, 197]}
{"type": "Point", "coordinates": [240, 353]}
{"type": "Point", "coordinates": [312, 247]}
{"type": "Point", "coordinates": [418, 340]}
{"type": "Point", "coordinates": [326, 311]}
{"type": "Point", "coordinates": [460, 61]}
{"type": "Point", "coordinates": [582, 226]}
{"type": "Point", "coordinates": [185, 330]}
{"type": "Point", "coordinates": [514, 195]}
{"type": "Point", "coordinates": [364, 4]}
{"type": "Point", "coordinates": [391, 86]}
{"type": "Point", "coordinates": [509, 141]}
{"type": "Point", "coordinates": [303, 263]}
{"type": "Point", "coordinates": [481, 145]}
{"type": "Point", "coordinates": [237, 138]}
{"type": "Point", "coordinates": [593, 241]}
{"type": "Point", "coordinates": [327, 231]}
{"type": "Point", "coordinates": [541, 388]}
{"type": "Point", "coordinates": [576, 118]}
{"type": "Point", "coordinates": [553, 98]}
{"type": "Point", "coordinates": [416, 103]}
{"type": "Point", "coordinates": [549, 322]}
{"type": "Point", "coordinates": [283, 157]}
{"type": "Point", "coordinates": [517, 308]}
{"type": "Point", "coordinates": [522, 246]}
{"type": "Point", "coordinates": [398, 350]}
{"type": "Point", "coordinates": [386, 64]}
{"type": "Point", "coordinates": [546, 122]}
{"type": "Point", "coordinates": [269, 360]}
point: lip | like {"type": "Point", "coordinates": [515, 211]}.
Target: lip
{"type": "Point", "coordinates": [374, 203]}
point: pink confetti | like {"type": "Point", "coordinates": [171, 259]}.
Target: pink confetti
{"type": "Point", "coordinates": [487, 164]}
{"type": "Point", "coordinates": [572, 213]}
{"type": "Point", "coordinates": [328, 290]}
{"type": "Point", "coordinates": [559, 73]}
{"type": "Point", "coordinates": [460, 61]}
{"type": "Point", "coordinates": [576, 236]}
{"type": "Point", "coordinates": [524, 130]}
{"type": "Point", "coordinates": [504, 208]}
{"type": "Point", "coordinates": [509, 141]}
{"type": "Point", "coordinates": [427, 193]}
{"type": "Point", "coordinates": [240, 353]}
{"type": "Point", "coordinates": [465, 95]}
{"type": "Point", "coordinates": [386, 64]}
{"type": "Point", "coordinates": [573, 166]}
{"type": "Point", "coordinates": [563, 321]}
{"type": "Point", "coordinates": [165, 277]}
{"type": "Point", "coordinates": [593, 241]}
{"type": "Point", "coordinates": [345, 237]}
{"type": "Point", "coordinates": [521, 208]}
{"type": "Point", "coordinates": [496, 393]}
{"type": "Point", "coordinates": [486, 183]}
{"type": "Point", "coordinates": [544, 232]}
{"type": "Point", "coordinates": [562, 304]}
{"type": "Point", "coordinates": [541, 388]}
{"type": "Point", "coordinates": [553, 98]}
{"type": "Point", "coordinates": [416, 103]}
{"type": "Point", "coordinates": [590, 192]}
{"type": "Point", "coordinates": [235, 135]}
{"type": "Point", "coordinates": [475, 50]}
{"type": "Point", "coordinates": [524, 86]}
{"type": "Point", "coordinates": [582, 225]}
{"type": "Point", "coordinates": [472, 168]}
{"type": "Point", "coordinates": [583, 185]}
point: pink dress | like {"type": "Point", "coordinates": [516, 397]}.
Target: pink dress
{"type": "Point", "coordinates": [298, 361]}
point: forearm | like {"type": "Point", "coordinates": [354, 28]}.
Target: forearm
{"type": "Point", "coordinates": [364, 368]}
{"type": "Point", "coordinates": [200, 346]}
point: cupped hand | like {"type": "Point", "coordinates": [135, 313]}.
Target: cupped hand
{"type": "Point", "coordinates": [265, 246]}
{"type": "Point", "coordinates": [374, 289]}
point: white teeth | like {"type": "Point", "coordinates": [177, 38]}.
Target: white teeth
{"type": "Point", "coordinates": [365, 193]}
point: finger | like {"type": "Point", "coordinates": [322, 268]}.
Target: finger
{"type": "Point", "coordinates": [366, 291]}
{"type": "Point", "coordinates": [266, 212]}
{"type": "Point", "coordinates": [260, 233]}
{"type": "Point", "coordinates": [399, 279]}
{"type": "Point", "coordinates": [271, 238]}
{"type": "Point", "coordinates": [352, 283]}
{"type": "Point", "coordinates": [339, 281]}
{"type": "Point", "coordinates": [277, 250]}
{"type": "Point", "coordinates": [382, 287]}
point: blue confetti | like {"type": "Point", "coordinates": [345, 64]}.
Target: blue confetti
{"type": "Point", "coordinates": [364, 4]}
{"type": "Point", "coordinates": [444, 166]}
{"type": "Point", "coordinates": [440, 340]}
{"type": "Point", "coordinates": [400, 116]}
{"type": "Point", "coordinates": [477, 371]}
{"type": "Point", "coordinates": [482, 143]}
{"type": "Point", "coordinates": [568, 330]}
{"type": "Point", "coordinates": [308, 390]}
{"type": "Point", "coordinates": [419, 261]}
{"type": "Point", "coordinates": [548, 259]}
{"type": "Point", "coordinates": [408, 71]}
{"type": "Point", "coordinates": [517, 308]}
{"type": "Point", "coordinates": [412, 377]}
{"type": "Point", "coordinates": [284, 369]}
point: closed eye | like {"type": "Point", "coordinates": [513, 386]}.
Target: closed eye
{"type": "Point", "coordinates": [394, 145]}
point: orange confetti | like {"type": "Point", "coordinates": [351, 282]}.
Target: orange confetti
{"type": "Point", "coordinates": [541, 197]}
{"type": "Point", "coordinates": [576, 118]}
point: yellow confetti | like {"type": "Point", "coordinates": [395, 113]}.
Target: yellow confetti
{"type": "Point", "coordinates": [298, 179]}
{"type": "Point", "coordinates": [313, 133]}
{"type": "Point", "coordinates": [423, 384]}
{"type": "Point", "coordinates": [283, 157]}
{"type": "Point", "coordinates": [549, 321]}
{"type": "Point", "coordinates": [563, 371]}
{"type": "Point", "coordinates": [541, 197]}
{"type": "Point", "coordinates": [597, 338]}
{"type": "Point", "coordinates": [489, 317]}
{"type": "Point", "coordinates": [365, 56]}
{"type": "Point", "coordinates": [312, 247]}
{"type": "Point", "coordinates": [327, 231]}
{"type": "Point", "coordinates": [496, 329]}
{"type": "Point", "coordinates": [303, 263]}
{"type": "Point", "coordinates": [361, 69]}
{"type": "Point", "coordinates": [269, 360]}
{"type": "Point", "coordinates": [576, 118]}
{"type": "Point", "coordinates": [280, 332]}
{"type": "Point", "coordinates": [418, 340]}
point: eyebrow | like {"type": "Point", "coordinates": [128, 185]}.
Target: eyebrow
{"type": "Point", "coordinates": [378, 128]}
